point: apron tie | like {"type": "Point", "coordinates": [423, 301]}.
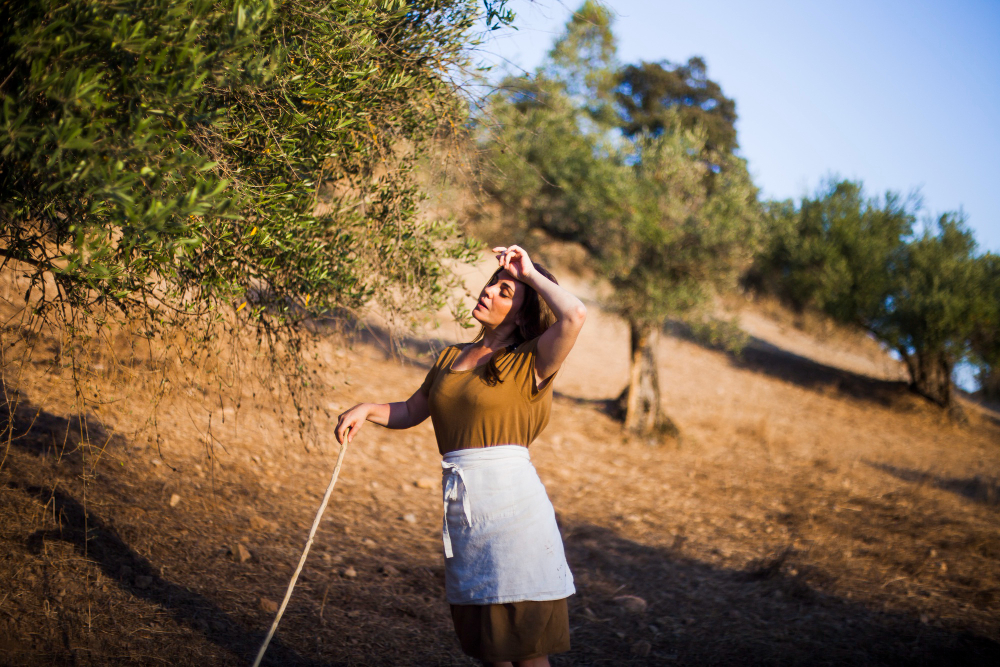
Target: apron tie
{"type": "Point", "coordinates": [453, 476]}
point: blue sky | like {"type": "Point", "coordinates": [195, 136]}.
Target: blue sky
{"type": "Point", "coordinates": [901, 95]}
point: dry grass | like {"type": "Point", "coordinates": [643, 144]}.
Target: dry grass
{"type": "Point", "coordinates": [813, 512]}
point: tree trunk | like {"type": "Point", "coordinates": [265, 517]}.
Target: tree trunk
{"type": "Point", "coordinates": [930, 375]}
{"type": "Point", "coordinates": [989, 381]}
{"type": "Point", "coordinates": [639, 403]}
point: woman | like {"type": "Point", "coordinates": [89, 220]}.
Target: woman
{"type": "Point", "coordinates": [505, 571]}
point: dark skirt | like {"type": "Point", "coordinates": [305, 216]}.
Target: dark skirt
{"type": "Point", "coordinates": [512, 631]}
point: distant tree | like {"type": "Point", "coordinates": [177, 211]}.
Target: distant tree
{"type": "Point", "coordinates": [674, 243]}
{"type": "Point", "coordinates": [543, 171]}
{"type": "Point", "coordinates": [985, 341]}
{"type": "Point", "coordinates": [849, 256]}
{"type": "Point", "coordinates": [557, 161]}
{"type": "Point", "coordinates": [837, 250]}
{"type": "Point", "coordinates": [933, 305]}
{"type": "Point", "coordinates": [544, 133]}
{"type": "Point", "coordinates": [652, 96]}
{"type": "Point", "coordinates": [584, 60]}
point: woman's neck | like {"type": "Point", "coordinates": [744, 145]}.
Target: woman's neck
{"type": "Point", "coordinates": [494, 339]}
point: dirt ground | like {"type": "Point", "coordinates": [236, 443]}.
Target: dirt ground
{"type": "Point", "coordinates": [812, 512]}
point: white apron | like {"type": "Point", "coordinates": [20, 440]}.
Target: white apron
{"type": "Point", "coordinates": [501, 541]}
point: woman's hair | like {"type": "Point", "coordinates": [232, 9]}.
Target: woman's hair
{"type": "Point", "coordinates": [535, 315]}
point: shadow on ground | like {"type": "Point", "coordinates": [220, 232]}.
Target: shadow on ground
{"type": "Point", "coordinates": [702, 615]}
{"type": "Point", "coordinates": [763, 357]}
{"type": "Point", "coordinates": [978, 489]}
{"type": "Point", "coordinates": [41, 433]}
{"type": "Point", "coordinates": [63, 441]}
{"type": "Point", "coordinates": [394, 344]}
{"type": "Point", "coordinates": [93, 539]}
{"type": "Point", "coordinates": [606, 406]}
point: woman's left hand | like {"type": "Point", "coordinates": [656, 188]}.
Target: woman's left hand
{"type": "Point", "coordinates": [515, 260]}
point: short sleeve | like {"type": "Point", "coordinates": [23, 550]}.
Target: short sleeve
{"type": "Point", "coordinates": [439, 363]}
{"type": "Point", "coordinates": [519, 367]}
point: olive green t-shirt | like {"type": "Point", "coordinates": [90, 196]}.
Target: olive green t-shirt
{"type": "Point", "coordinates": [468, 413]}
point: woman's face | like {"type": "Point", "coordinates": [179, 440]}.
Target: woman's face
{"type": "Point", "coordinates": [499, 301]}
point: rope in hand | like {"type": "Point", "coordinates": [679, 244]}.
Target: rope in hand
{"type": "Point", "coordinates": [305, 552]}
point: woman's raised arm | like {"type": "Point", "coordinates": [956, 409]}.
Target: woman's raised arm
{"type": "Point", "coordinates": [403, 414]}
{"type": "Point", "coordinates": [553, 345]}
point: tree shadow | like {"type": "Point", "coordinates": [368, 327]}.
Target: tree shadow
{"type": "Point", "coordinates": [989, 408]}
{"type": "Point", "coordinates": [42, 434]}
{"type": "Point", "coordinates": [94, 539]}
{"type": "Point", "coordinates": [761, 356]}
{"type": "Point", "coordinates": [606, 406]}
{"type": "Point", "coordinates": [768, 614]}
{"type": "Point", "coordinates": [981, 490]}
{"type": "Point", "coordinates": [412, 349]}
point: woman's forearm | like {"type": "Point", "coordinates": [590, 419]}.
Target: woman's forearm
{"type": "Point", "coordinates": [390, 415]}
{"type": "Point", "coordinates": [565, 306]}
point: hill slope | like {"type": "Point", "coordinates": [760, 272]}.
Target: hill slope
{"type": "Point", "coordinates": [812, 511]}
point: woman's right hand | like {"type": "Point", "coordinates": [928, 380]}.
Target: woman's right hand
{"type": "Point", "coordinates": [350, 422]}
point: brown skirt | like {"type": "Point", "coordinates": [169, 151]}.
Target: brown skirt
{"type": "Point", "coordinates": [512, 631]}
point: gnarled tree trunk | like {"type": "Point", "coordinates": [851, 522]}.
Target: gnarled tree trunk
{"type": "Point", "coordinates": [930, 375]}
{"type": "Point", "coordinates": [639, 403]}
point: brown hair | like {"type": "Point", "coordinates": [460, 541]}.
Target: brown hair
{"type": "Point", "coordinates": [536, 317]}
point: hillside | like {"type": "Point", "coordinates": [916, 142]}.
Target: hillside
{"type": "Point", "coordinates": [813, 511]}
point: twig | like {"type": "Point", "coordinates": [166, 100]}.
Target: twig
{"type": "Point", "coordinates": [305, 552]}
{"type": "Point", "coordinates": [8, 78]}
{"type": "Point", "coordinates": [322, 606]}
{"type": "Point", "coordinates": [892, 581]}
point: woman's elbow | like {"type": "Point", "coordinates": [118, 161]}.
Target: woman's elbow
{"type": "Point", "coordinates": [577, 316]}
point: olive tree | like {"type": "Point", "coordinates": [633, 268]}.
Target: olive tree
{"type": "Point", "coordinates": [927, 297]}
{"type": "Point", "coordinates": [178, 150]}
{"type": "Point", "coordinates": [678, 242]}
{"type": "Point", "coordinates": [664, 217]}
{"type": "Point", "coordinates": [934, 305]}
{"type": "Point", "coordinates": [189, 170]}
{"type": "Point", "coordinates": [985, 340]}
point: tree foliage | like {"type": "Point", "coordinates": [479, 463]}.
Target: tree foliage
{"type": "Point", "coordinates": [583, 60]}
{"type": "Point", "coordinates": [933, 306]}
{"type": "Point", "coordinates": [675, 241]}
{"type": "Point", "coordinates": [188, 153]}
{"type": "Point", "coordinates": [855, 258]}
{"type": "Point", "coordinates": [837, 251]}
{"type": "Point", "coordinates": [653, 96]}
{"type": "Point", "coordinates": [985, 340]}
{"type": "Point", "coordinates": [187, 187]}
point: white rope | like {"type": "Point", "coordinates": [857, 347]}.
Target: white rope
{"type": "Point", "coordinates": [305, 552]}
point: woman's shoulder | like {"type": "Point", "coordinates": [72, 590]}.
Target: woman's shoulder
{"type": "Point", "coordinates": [448, 354]}
{"type": "Point", "coordinates": [524, 349]}
{"type": "Point", "coordinates": [528, 346]}
{"type": "Point", "coordinates": [518, 356]}
{"type": "Point", "coordinates": [519, 365]}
